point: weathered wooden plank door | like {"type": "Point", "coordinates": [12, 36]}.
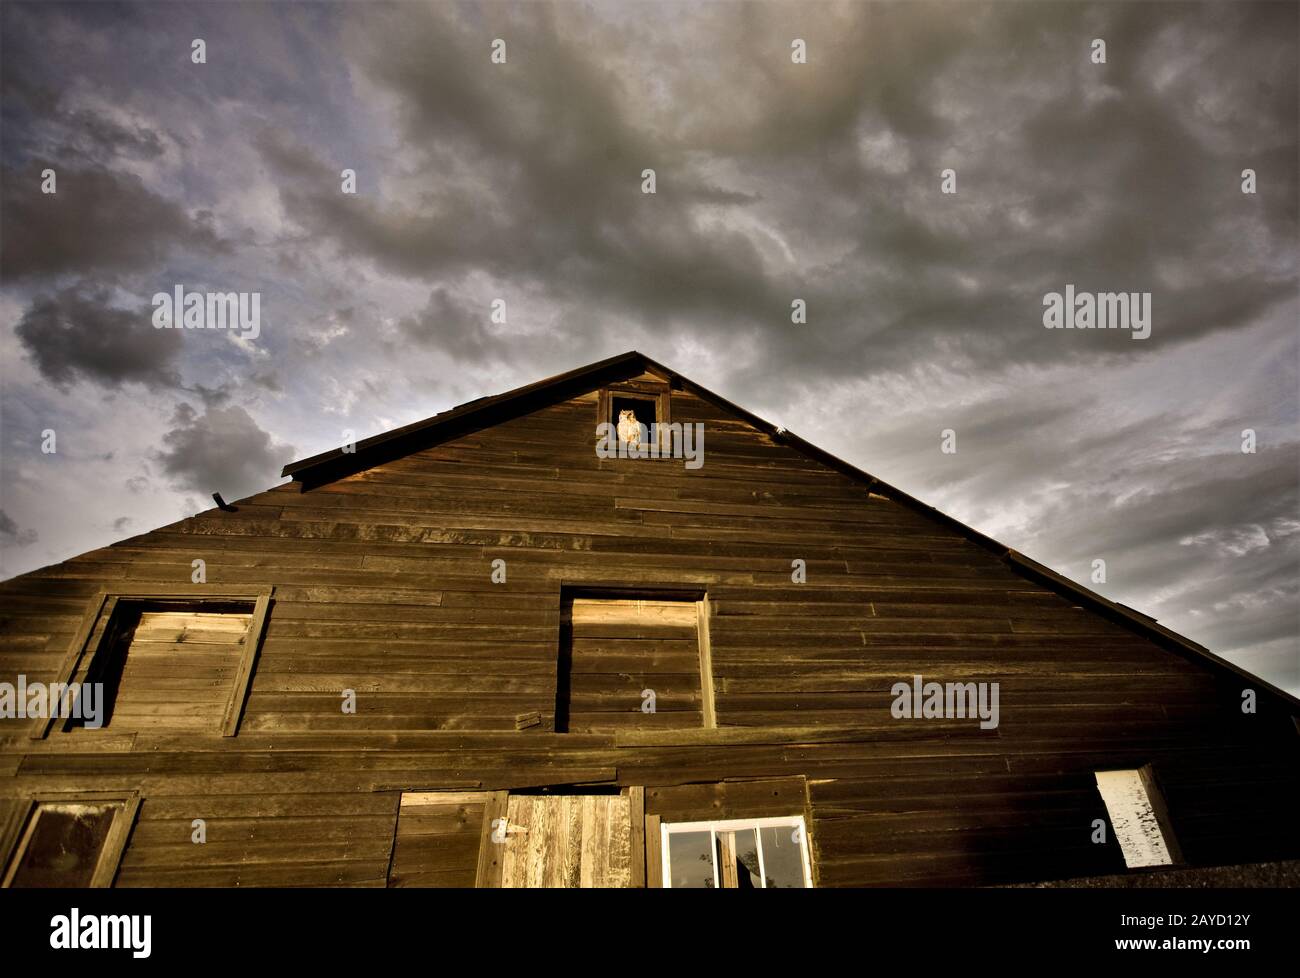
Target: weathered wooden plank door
{"type": "Point", "coordinates": [568, 841]}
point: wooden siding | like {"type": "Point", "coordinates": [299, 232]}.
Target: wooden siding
{"type": "Point", "coordinates": [383, 585]}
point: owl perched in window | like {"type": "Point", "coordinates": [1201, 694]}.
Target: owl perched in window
{"type": "Point", "coordinates": [629, 429]}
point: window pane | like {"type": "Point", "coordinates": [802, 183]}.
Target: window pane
{"type": "Point", "coordinates": [690, 860]}
{"type": "Point", "coordinates": [782, 856]}
{"type": "Point", "coordinates": [747, 877]}
{"type": "Point", "coordinates": [64, 846]}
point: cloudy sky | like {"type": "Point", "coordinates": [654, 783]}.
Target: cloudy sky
{"type": "Point", "coordinates": [775, 180]}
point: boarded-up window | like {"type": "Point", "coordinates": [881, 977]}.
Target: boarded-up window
{"type": "Point", "coordinates": [438, 839]}
{"type": "Point", "coordinates": [1138, 817]}
{"type": "Point", "coordinates": [170, 665]}
{"type": "Point", "coordinates": [629, 663]}
{"type": "Point", "coordinates": [68, 844]}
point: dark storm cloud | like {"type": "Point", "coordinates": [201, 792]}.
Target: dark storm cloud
{"type": "Point", "coordinates": [1123, 176]}
{"type": "Point", "coordinates": [1259, 491]}
{"type": "Point", "coordinates": [221, 450]}
{"type": "Point", "coordinates": [539, 177]}
{"type": "Point", "coordinates": [79, 133]}
{"type": "Point", "coordinates": [103, 218]}
{"type": "Point", "coordinates": [268, 380]}
{"type": "Point", "coordinates": [212, 396]}
{"type": "Point", "coordinates": [78, 333]}
{"type": "Point", "coordinates": [11, 536]}
{"type": "Point", "coordinates": [446, 321]}
{"type": "Point", "coordinates": [455, 325]}
{"type": "Point", "coordinates": [107, 137]}
{"type": "Point", "coordinates": [98, 221]}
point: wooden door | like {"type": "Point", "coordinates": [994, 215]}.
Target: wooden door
{"type": "Point", "coordinates": [567, 841]}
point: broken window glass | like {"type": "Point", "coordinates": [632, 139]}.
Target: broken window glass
{"type": "Point", "coordinates": [63, 844]}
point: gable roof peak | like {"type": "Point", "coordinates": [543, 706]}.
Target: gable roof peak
{"type": "Point", "coordinates": [485, 411]}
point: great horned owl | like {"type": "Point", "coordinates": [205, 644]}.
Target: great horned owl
{"type": "Point", "coordinates": [629, 429]}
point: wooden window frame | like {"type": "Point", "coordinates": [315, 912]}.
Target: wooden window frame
{"type": "Point", "coordinates": [730, 825]}
{"type": "Point", "coordinates": [104, 605]}
{"type": "Point", "coordinates": [654, 592]}
{"type": "Point", "coordinates": [658, 394]}
{"type": "Point", "coordinates": [654, 864]}
{"type": "Point", "coordinates": [1159, 808]}
{"type": "Point", "coordinates": [19, 830]}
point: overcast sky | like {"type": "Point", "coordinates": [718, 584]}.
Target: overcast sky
{"type": "Point", "coordinates": [774, 181]}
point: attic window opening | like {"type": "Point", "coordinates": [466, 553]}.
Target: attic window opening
{"type": "Point", "coordinates": [635, 419]}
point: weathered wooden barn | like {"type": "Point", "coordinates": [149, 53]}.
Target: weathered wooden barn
{"type": "Point", "coordinates": [472, 651]}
